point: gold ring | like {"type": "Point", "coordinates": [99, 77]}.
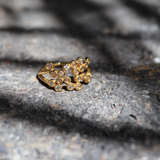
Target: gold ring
{"type": "Point", "coordinates": [79, 68]}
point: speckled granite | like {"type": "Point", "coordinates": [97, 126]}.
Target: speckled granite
{"type": "Point", "coordinates": [115, 116]}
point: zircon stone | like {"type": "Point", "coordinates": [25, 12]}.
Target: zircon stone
{"type": "Point", "coordinates": [77, 78]}
{"type": "Point", "coordinates": [53, 74]}
{"type": "Point", "coordinates": [66, 67]}
{"type": "Point", "coordinates": [51, 84]}
{"type": "Point", "coordinates": [70, 86]}
{"type": "Point", "coordinates": [88, 78]}
{"type": "Point", "coordinates": [78, 86]}
{"type": "Point", "coordinates": [59, 80]}
{"type": "Point", "coordinates": [80, 61]}
{"type": "Point", "coordinates": [58, 88]}
{"type": "Point", "coordinates": [67, 80]}
{"type": "Point", "coordinates": [73, 64]}
{"type": "Point", "coordinates": [84, 76]}
{"type": "Point", "coordinates": [61, 73]}
{"type": "Point", "coordinates": [48, 66]}
{"type": "Point", "coordinates": [75, 71]}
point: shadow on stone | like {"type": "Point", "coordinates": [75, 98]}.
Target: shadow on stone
{"type": "Point", "coordinates": [50, 116]}
{"type": "Point", "coordinates": [143, 9]}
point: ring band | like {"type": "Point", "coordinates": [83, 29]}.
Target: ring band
{"type": "Point", "coordinates": [79, 68]}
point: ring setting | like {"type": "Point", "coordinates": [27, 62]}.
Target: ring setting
{"type": "Point", "coordinates": [79, 69]}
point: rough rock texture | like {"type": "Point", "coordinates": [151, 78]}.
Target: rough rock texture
{"type": "Point", "coordinates": [116, 116]}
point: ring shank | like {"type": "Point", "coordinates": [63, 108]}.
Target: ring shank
{"type": "Point", "coordinates": [58, 64]}
{"type": "Point", "coordinates": [41, 77]}
{"type": "Point", "coordinates": [43, 70]}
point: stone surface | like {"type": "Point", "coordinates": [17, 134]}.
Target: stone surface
{"type": "Point", "coordinates": [116, 115]}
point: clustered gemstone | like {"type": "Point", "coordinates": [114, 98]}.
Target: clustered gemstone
{"type": "Point", "coordinates": [79, 69]}
{"type": "Point", "coordinates": [67, 79]}
{"type": "Point", "coordinates": [75, 71]}
{"type": "Point", "coordinates": [66, 67]}
{"type": "Point", "coordinates": [70, 86]}
{"type": "Point", "coordinates": [48, 66]}
{"type": "Point", "coordinates": [78, 86]}
{"type": "Point", "coordinates": [80, 61]}
{"type": "Point", "coordinates": [74, 64]}
{"type": "Point", "coordinates": [58, 88]}
{"type": "Point", "coordinates": [59, 81]}
{"type": "Point", "coordinates": [53, 73]}
{"type": "Point", "coordinates": [51, 84]}
{"type": "Point", "coordinates": [61, 73]}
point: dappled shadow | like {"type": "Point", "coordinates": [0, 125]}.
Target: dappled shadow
{"type": "Point", "coordinates": [64, 32]}
{"type": "Point", "coordinates": [65, 10]}
{"type": "Point", "coordinates": [30, 63]}
{"type": "Point", "coordinates": [144, 10]}
{"type": "Point", "coordinates": [59, 118]}
{"type": "Point", "coordinates": [86, 33]}
{"type": "Point", "coordinates": [89, 32]}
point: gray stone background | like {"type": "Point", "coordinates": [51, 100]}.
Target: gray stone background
{"type": "Point", "coordinates": [116, 116]}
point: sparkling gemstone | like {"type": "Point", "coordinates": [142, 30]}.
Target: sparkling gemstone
{"type": "Point", "coordinates": [67, 80]}
{"type": "Point", "coordinates": [70, 86]}
{"type": "Point", "coordinates": [53, 74]}
{"type": "Point", "coordinates": [74, 64]}
{"type": "Point", "coordinates": [51, 83]}
{"type": "Point", "coordinates": [59, 80]}
{"type": "Point", "coordinates": [78, 78]}
{"type": "Point", "coordinates": [84, 76]}
{"type": "Point", "coordinates": [58, 88]}
{"type": "Point", "coordinates": [48, 66]}
{"type": "Point", "coordinates": [66, 67]}
{"type": "Point", "coordinates": [78, 86]}
{"type": "Point", "coordinates": [75, 71]}
{"type": "Point", "coordinates": [88, 78]}
{"type": "Point", "coordinates": [80, 61]}
{"type": "Point", "coordinates": [61, 73]}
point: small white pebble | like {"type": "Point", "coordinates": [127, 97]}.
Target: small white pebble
{"type": "Point", "coordinates": [157, 60]}
{"type": "Point", "coordinates": [103, 81]}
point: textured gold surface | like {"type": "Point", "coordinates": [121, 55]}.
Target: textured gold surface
{"type": "Point", "coordinates": [79, 68]}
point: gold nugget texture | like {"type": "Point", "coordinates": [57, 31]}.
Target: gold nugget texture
{"type": "Point", "coordinates": [79, 69]}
